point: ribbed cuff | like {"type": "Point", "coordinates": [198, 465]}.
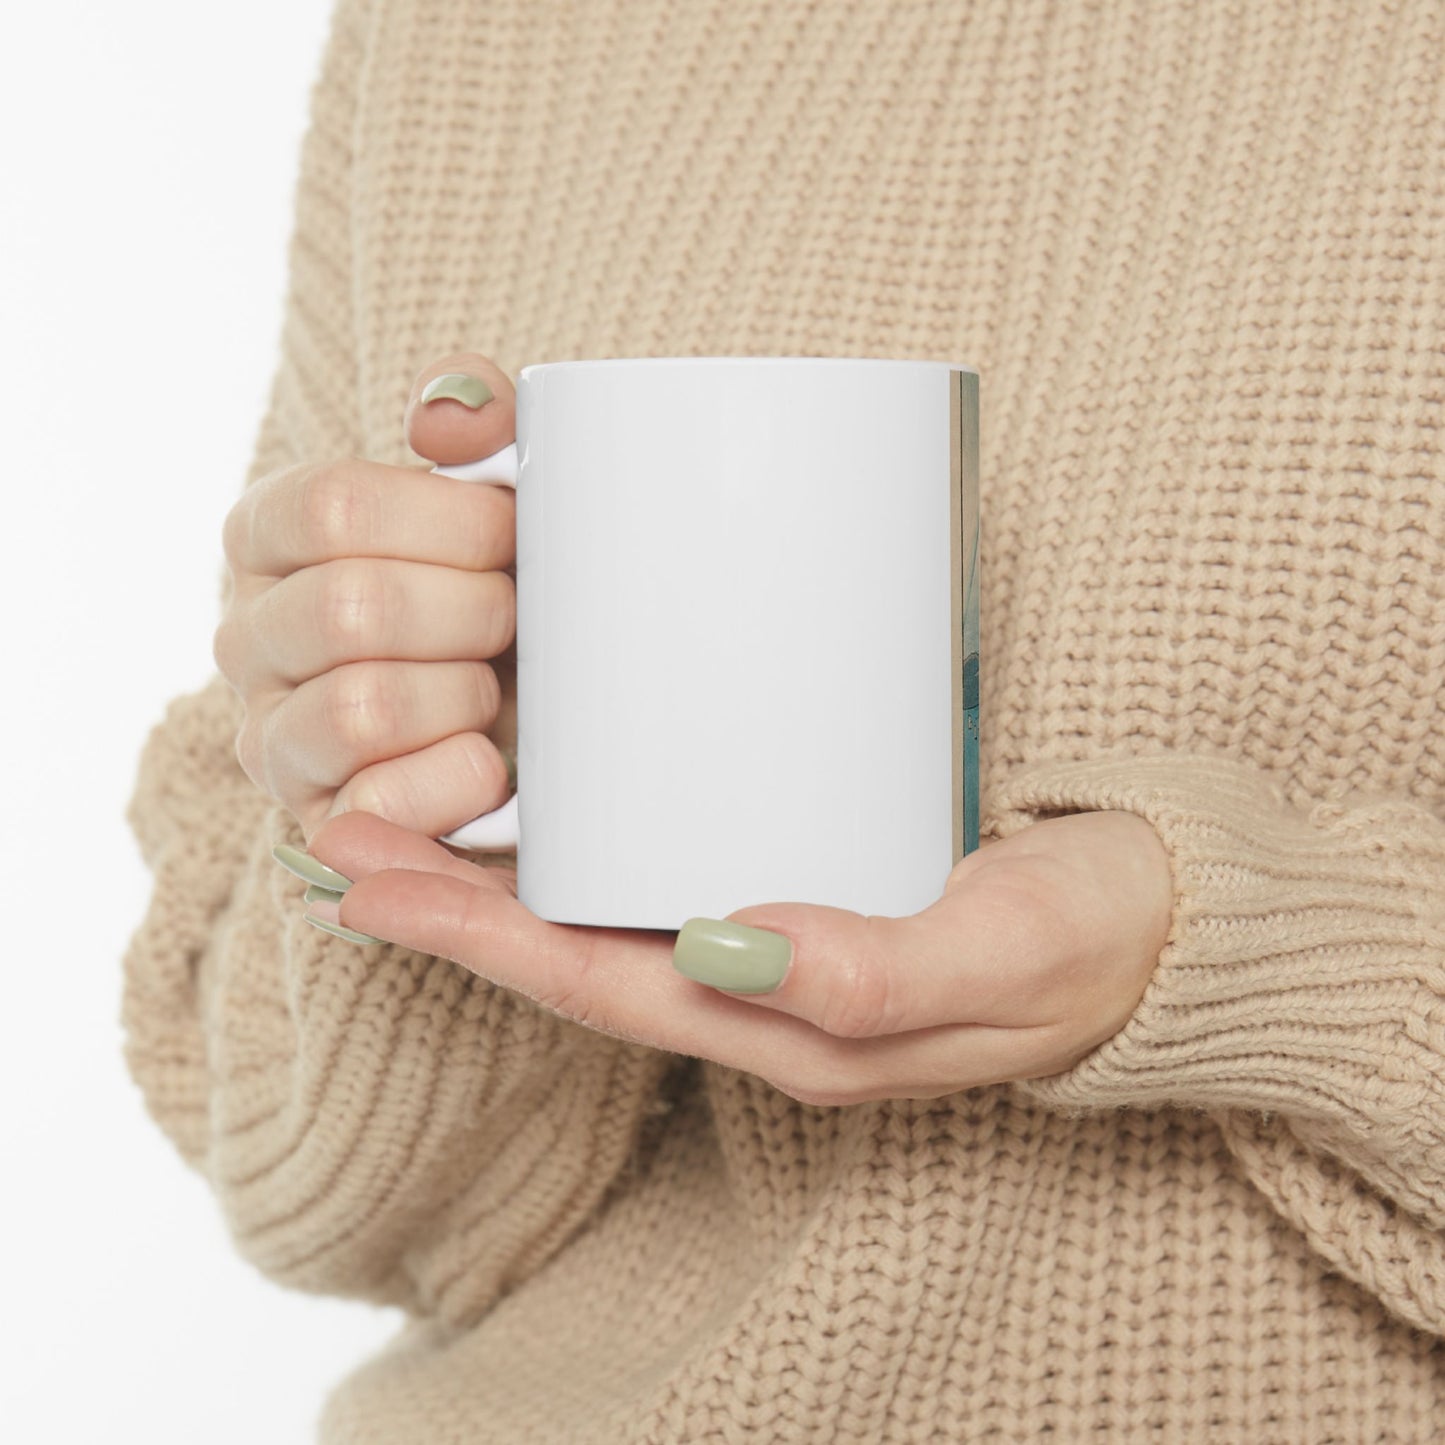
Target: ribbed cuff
{"type": "Point", "coordinates": [1305, 965]}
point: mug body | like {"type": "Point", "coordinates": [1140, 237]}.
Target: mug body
{"type": "Point", "coordinates": [746, 635]}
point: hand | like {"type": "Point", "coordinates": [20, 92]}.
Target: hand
{"type": "Point", "coordinates": [1038, 951]}
{"type": "Point", "coordinates": [365, 597]}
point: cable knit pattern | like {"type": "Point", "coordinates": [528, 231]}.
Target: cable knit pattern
{"type": "Point", "coordinates": [1195, 252]}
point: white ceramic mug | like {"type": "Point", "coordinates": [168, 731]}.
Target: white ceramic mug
{"type": "Point", "coordinates": [747, 635]}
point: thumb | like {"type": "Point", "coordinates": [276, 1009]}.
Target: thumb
{"type": "Point", "coordinates": [850, 974]}
{"type": "Point", "coordinates": [966, 958]}
{"type": "Point", "coordinates": [461, 408]}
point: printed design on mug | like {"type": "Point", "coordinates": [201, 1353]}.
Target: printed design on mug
{"type": "Point", "coordinates": [963, 508]}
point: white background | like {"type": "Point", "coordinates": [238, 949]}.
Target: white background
{"type": "Point", "coordinates": [148, 154]}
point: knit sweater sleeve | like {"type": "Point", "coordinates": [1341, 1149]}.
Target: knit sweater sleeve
{"type": "Point", "coordinates": [1299, 1000]}
{"type": "Point", "coordinates": [375, 1123]}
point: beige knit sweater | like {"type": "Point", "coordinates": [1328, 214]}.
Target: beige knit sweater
{"type": "Point", "coordinates": [1198, 253]}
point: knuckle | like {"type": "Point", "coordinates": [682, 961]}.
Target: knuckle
{"type": "Point", "coordinates": [352, 605]}
{"type": "Point", "coordinates": [250, 750]}
{"type": "Point", "coordinates": [502, 615]}
{"type": "Point", "coordinates": [360, 710]}
{"type": "Point", "coordinates": [489, 688]}
{"type": "Point", "coordinates": [223, 646]}
{"type": "Point", "coordinates": [573, 994]}
{"type": "Point", "coordinates": [235, 646]}
{"type": "Point", "coordinates": [578, 996]}
{"type": "Point", "coordinates": [386, 792]}
{"type": "Point", "coordinates": [332, 508]}
{"type": "Point", "coordinates": [486, 772]}
{"type": "Point", "coordinates": [861, 1000]}
{"type": "Point", "coordinates": [491, 507]}
{"type": "Point", "coordinates": [235, 530]}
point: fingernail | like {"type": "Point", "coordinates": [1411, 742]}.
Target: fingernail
{"type": "Point", "coordinates": [510, 758]}
{"type": "Point", "coordinates": [471, 391]}
{"type": "Point", "coordinates": [732, 955]}
{"type": "Point", "coordinates": [350, 934]}
{"type": "Point", "coordinates": [303, 865]}
{"type": "Point", "coordinates": [327, 908]}
{"type": "Point", "coordinates": [317, 894]}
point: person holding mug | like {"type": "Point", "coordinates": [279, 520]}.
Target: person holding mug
{"type": "Point", "coordinates": [1132, 1128]}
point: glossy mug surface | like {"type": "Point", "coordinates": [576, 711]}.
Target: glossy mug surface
{"type": "Point", "coordinates": [747, 635]}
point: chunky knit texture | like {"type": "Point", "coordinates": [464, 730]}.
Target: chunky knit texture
{"type": "Point", "coordinates": [1198, 253]}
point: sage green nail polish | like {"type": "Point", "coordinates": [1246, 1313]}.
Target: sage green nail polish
{"type": "Point", "coordinates": [303, 865]}
{"type": "Point", "coordinates": [317, 894]}
{"type": "Point", "coordinates": [350, 934]}
{"type": "Point", "coordinates": [509, 757]}
{"type": "Point", "coordinates": [732, 955]}
{"type": "Point", "coordinates": [471, 391]}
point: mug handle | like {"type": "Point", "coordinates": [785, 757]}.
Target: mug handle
{"type": "Point", "coordinates": [499, 829]}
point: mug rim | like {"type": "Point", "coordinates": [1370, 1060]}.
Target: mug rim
{"type": "Point", "coordinates": [752, 360]}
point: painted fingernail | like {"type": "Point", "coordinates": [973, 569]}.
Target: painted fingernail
{"type": "Point", "coordinates": [303, 865]}
{"type": "Point", "coordinates": [317, 894]}
{"type": "Point", "coordinates": [732, 955]}
{"type": "Point", "coordinates": [326, 909]}
{"type": "Point", "coordinates": [350, 934]}
{"type": "Point", "coordinates": [471, 391]}
{"type": "Point", "coordinates": [510, 758]}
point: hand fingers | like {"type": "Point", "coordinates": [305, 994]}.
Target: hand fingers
{"type": "Point", "coordinates": [618, 981]}
{"type": "Point", "coordinates": [357, 844]}
{"type": "Point", "coordinates": [300, 516]}
{"type": "Point", "coordinates": [434, 789]}
{"type": "Point", "coordinates": [621, 981]}
{"type": "Point", "coordinates": [326, 731]}
{"type": "Point", "coordinates": [963, 960]}
{"type": "Point", "coordinates": [355, 609]}
{"type": "Point", "coordinates": [477, 419]}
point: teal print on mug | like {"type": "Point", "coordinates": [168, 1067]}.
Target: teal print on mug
{"type": "Point", "coordinates": [747, 635]}
{"type": "Point", "coordinates": [963, 436]}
